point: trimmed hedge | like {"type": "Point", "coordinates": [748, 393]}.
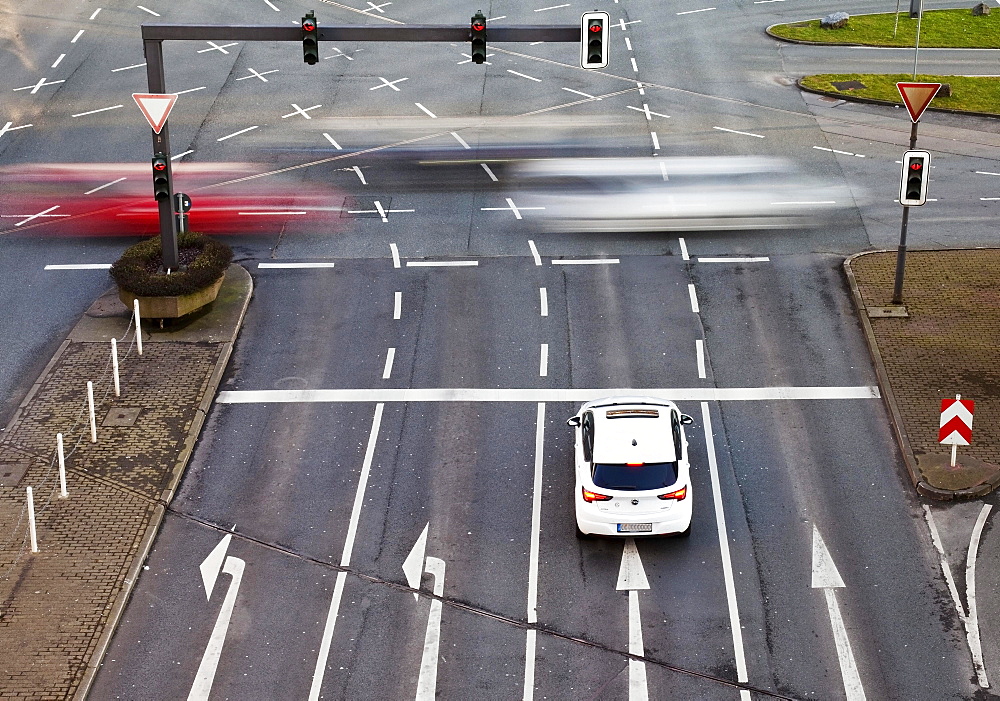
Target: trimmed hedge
{"type": "Point", "coordinates": [138, 269]}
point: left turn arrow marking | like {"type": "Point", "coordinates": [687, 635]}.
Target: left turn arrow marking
{"type": "Point", "coordinates": [213, 564]}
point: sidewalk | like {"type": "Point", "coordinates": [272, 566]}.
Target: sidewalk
{"type": "Point", "coordinates": [948, 344]}
{"type": "Point", "coordinates": [59, 606]}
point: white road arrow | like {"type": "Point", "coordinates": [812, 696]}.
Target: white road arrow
{"type": "Point", "coordinates": [413, 567]}
{"type": "Point", "coordinates": [632, 576]}
{"type": "Point", "coordinates": [213, 651]}
{"type": "Point", "coordinates": [826, 577]}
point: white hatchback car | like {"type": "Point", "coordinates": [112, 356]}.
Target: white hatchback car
{"type": "Point", "coordinates": [632, 469]}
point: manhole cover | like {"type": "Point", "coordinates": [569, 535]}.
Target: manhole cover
{"type": "Point", "coordinates": [12, 472]}
{"type": "Point", "coordinates": [848, 85]}
{"type": "Point", "coordinates": [121, 416]}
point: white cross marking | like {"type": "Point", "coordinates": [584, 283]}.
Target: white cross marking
{"type": "Point", "coordinates": [299, 110]}
{"type": "Point", "coordinates": [373, 6]}
{"type": "Point", "coordinates": [468, 59]}
{"type": "Point", "coordinates": [380, 210]}
{"type": "Point", "coordinates": [255, 74]}
{"type": "Point", "coordinates": [216, 47]}
{"type": "Point", "coordinates": [391, 84]}
{"type": "Point", "coordinates": [341, 53]}
{"type": "Point", "coordinates": [510, 208]}
{"type": "Point", "coordinates": [44, 213]}
{"type": "Point", "coordinates": [7, 127]}
{"type": "Point", "coordinates": [622, 23]}
{"type": "Point", "coordinates": [41, 83]}
{"type": "Point", "coordinates": [645, 111]}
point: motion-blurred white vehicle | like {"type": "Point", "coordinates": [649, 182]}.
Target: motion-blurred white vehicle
{"type": "Point", "coordinates": [632, 469]}
{"type": "Point", "coordinates": [677, 194]}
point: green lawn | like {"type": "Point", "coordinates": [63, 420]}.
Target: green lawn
{"type": "Point", "coordinates": [972, 94]}
{"type": "Point", "coordinates": [957, 29]}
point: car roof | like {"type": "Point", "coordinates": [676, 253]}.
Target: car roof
{"type": "Point", "coordinates": [636, 432]}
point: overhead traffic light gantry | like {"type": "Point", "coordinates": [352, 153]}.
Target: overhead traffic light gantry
{"type": "Point", "coordinates": [477, 34]}
{"type": "Point", "coordinates": [594, 39]}
{"type": "Point", "coordinates": [310, 38]}
{"type": "Point", "coordinates": [913, 182]}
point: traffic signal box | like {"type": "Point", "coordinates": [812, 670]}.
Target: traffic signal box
{"type": "Point", "coordinates": [310, 38]}
{"type": "Point", "coordinates": [594, 39]}
{"type": "Point", "coordinates": [477, 34]}
{"type": "Point", "coordinates": [161, 177]}
{"type": "Point", "coordinates": [913, 182]}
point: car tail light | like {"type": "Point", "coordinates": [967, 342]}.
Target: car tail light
{"type": "Point", "coordinates": [594, 496]}
{"type": "Point", "coordinates": [634, 464]}
{"type": "Point", "coordinates": [678, 494]}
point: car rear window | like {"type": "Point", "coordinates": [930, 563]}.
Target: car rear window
{"type": "Point", "coordinates": [650, 475]}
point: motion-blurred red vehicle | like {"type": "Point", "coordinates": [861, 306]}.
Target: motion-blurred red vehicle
{"type": "Point", "coordinates": [109, 199]}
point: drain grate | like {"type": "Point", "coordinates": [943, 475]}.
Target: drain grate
{"type": "Point", "coordinates": [121, 416]}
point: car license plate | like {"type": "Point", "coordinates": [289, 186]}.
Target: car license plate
{"type": "Point", "coordinates": [635, 528]}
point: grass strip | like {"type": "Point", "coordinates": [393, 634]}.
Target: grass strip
{"type": "Point", "coordinates": [955, 29]}
{"type": "Point", "coordinates": [967, 94]}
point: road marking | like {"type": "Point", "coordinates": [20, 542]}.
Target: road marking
{"type": "Point", "coordinates": [440, 263]}
{"type": "Point", "coordinates": [182, 154]}
{"type": "Point", "coordinates": [522, 75]}
{"type": "Point", "coordinates": [543, 296]}
{"type": "Point", "coordinates": [584, 261]}
{"type": "Point", "coordinates": [101, 187]}
{"type": "Point", "coordinates": [536, 525]}
{"type": "Point", "coordinates": [389, 357]}
{"type": "Point", "coordinates": [40, 84]}
{"type": "Point", "coordinates": [635, 68]}
{"type": "Point", "coordinates": [427, 111]}
{"type": "Point", "coordinates": [330, 139]}
{"type": "Point", "coordinates": [299, 110]}
{"type": "Point", "coordinates": [80, 266]}
{"type": "Point", "coordinates": [489, 172]}
{"type": "Point", "coordinates": [628, 43]}
{"type": "Point", "coordinates": [215, 47]}
{"type": "Point", "coordinates": [694, 298]}
{"type": "Point", "coordinates": [554, 7]}
{"type": "Point", "coordinates": [656, 141]}
{"type": "Point", "coordinates": [360, 175]}
{"type": "Point", "coordinates": [427, 679]}
{"type": "Point", "coordinates": [461, 141]}
{"type": "Point", "coordinates": [534, 252]}
{"type": "Point", "coordinates": [511, 207]}
{"type": "Point", "coordinates": [989, 199]}
{"type": "Point", "coordinates": [632, 577]}
{"type": "Point", "coordinates": [699, 351]}
{"type": "Point", "coordinates": [36, 216]}
{"type": "Point", "coordinates": [493, 19]}
{"type": "Point", "coordinates": [237, 133]}
{"type": "Point", "coordinates": [58, 60]}
{"type": "Point", "coordinates": [727, 563]}
{"type": "Point", "coordinates": [736, 259]}
{"type": "Point", "coordinates": [103, 109]}
{"type": "Point", "coordinates": [95, 13]}
{"type": "Point", "coordinates": [234, 566]}
{"type": "Point", "coordinates": [397, 306]}
{"type": "Point", "coordinates": [272, 5]}
{"type": "Point", "coordinates": [287, 266]}
{"type": "Point", "coordinates": [345, 560]}
{"type": "Point", "coordinates": [395, 255]}
{"type": "Point", "coordinates": [126, 68]}
{"type": "Point", "coordinates": [468, 59]}
{"type": "Point", "coordinates": [978, 172]}
{"type": "Point", "coordinates": [543, 363]}
{"type": "Point", "coordinates": [645, 111]}
{"type": "Point", "coordinates": [622, 23]}
{"type": "Point", "coordinates": [743, 133]}
{"type": "Point", "coordinates": [267, 214]}
{"type": "Point", "coordinates": [694, 394]}
{"type": "Point", "coordinates": [391, 84]}
{"type": "Point", "coordinates": [972, 629]}
{"type": "Point", "coordinates": [691, 12]}
{"type": "Point", "coordinates": [184, 92]}
{"type": "Point", "coordinates": [380, 210]}
{"type": "Point", "coordinates": [826, 577]}
{"type": "Point", "coordinates": [842, 153]}
{"type": "Point", "coordinates": [583, 94]}
{"type": "Point", "coordinates": [7, 127]}
{"type": "Point", "coordinates": [78, 35]}
{"type": "Point", "coordinates": [146, 9]}
{"type": "Point", "coordinates": [378, 8]}
{"type": "Point", "coordinates": [684, 250]}
{"type": "Point", "coordinates": [341, 53]}
{"type": "Point", "coordinates": [255, 74]}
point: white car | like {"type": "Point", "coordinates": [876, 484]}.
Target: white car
{"type": "Point", "coordinates": [632, 469]}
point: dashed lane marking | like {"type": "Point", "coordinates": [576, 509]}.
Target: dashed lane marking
{"type": "Point", "coordinates": [743, 133]}
{"type": "Point", "coordinates": [585, 261]}
{"type": "Point", "coordinates": [103, 109]}
{"type": "Point", "coordinates": [441, 263]}
{"type": "Point", "coordinates": [735, 259]}
{"type": "Point", "coordinates": [237, 133]}
{"type": "Point", "coordinates": [146, 9]}
{"type": "Point", "coordinates": [124, 68]}
{"type": "Point", "coordinates": [80, 266]}
{"type": "Point", "coordinates": [287, 266]}
{"type": "Point", "coordinates": [101, 187]}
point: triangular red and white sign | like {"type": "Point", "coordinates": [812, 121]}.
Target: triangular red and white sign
{"type": "Point", "coordinates": [155, 108]}
{"type": "Point", "coordinates": [916, 97]}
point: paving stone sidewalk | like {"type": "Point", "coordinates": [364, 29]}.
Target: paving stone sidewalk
{"type": "Point", "coordinates": [948, 344]}
{"type": "Point", "coordinates": [58, 607]}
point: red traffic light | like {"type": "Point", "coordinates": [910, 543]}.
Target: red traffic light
{"type": "Point", "coordinates": [916, 165]}
{"type": "Point", "coordinates": [159, 165]}
{"type": "Point", "coordinates": [308, 25]}
{"type": "Point", "coordinates": [478, 26]}
{"type": "Point", "coordinates": [596, 27]}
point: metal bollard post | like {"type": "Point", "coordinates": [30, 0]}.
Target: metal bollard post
{"type": "Point", "coordinates": [31, 521]}
{"type": "Point", "coordinates": [114, 366]}
{"type": "Point", "coordinates": [138, 326]}
{"type": "Point", "coordinates": [62, 467]}
{"type": "Point", "coordinates": [93, 418]}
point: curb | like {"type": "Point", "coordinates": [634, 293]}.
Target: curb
{"type": "Point", "coordinates": [118, 607]}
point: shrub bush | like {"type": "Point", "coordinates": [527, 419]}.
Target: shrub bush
{"type": "Point", "coordinates": [203, 261]}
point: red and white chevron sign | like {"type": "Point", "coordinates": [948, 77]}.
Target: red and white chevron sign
{"type": "Point", "coordinates": [956, 421]}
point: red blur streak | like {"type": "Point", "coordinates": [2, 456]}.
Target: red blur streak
{"type": "Point", "coordinates": [127, 208]}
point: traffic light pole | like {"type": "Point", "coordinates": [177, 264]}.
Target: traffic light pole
{"type": "Point", "coordinates": [897, 289]}
{"type": "Point", "coordinates": [161, 144]}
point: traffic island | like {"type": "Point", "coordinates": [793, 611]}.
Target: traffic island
{"type": "Point", "coordinates": [944, 345]}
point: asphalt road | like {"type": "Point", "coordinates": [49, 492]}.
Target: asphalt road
{"type": "Point", "coordinates": [329, 497]}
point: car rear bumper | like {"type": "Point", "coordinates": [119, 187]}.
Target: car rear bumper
{"type": "Point", "coordinates": [676, 521]}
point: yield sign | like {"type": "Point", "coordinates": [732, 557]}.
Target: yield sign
{"type": "Point", "coordinates": [155, 108]}
{"type": "Point", "coordinates": [916, 97]}
{"type": "Point", "coordinates": [956, 421]}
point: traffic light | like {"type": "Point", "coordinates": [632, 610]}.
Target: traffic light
{"type": "Point", "coordinates": [161, 177]}
{"type": "Point", "coordinates": [310, 38]}
{"type": "Point", "coordinates": [478, 36]}
{"type": "Point", "coordinates": [594, 39]}
{"type": "Point", "coordinates": [913, 185]}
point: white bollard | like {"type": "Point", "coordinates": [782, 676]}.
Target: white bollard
{"type": "Point", "coordinates": [114, 366]}
{"type": "Point", "coordinates": [31, 521]}
{"type": "Point", "coordinates": [93, 418]}
{"type": "Point", "coordinates": [138, 327]}
{"type": "Point", "coordinates": [62, 467]}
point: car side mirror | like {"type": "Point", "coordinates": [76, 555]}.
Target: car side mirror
{"type": "Point", "coordinates": [686, 420]}
{"type": "Point", "coordinates": [573, 421]}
